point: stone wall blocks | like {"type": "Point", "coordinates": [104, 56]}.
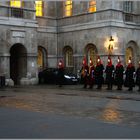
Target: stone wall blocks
{"type": "Point", "coordinates": [9, 82]}
{"type": "Point", "coordinates": [29, 81]}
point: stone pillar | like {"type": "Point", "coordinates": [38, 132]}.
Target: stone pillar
{"type": "Point", "coordinates": [31, 65]}
{"type": "Point", "coordinates": [30, 13]}
{"type": "Point", "coordinates": [50, 8]}
{"type": "Point", "coordinates": [5, 69]}
{"type": "Point", "coordinates": [32, 71]}
{"type": "Point", "coordinates": [4, 65]}
{"type": "Point", "coordinates": [78, 62]}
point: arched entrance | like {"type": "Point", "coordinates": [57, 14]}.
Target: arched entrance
{"type": "Point", "coordinates": [131, 51]}
{"type": "Point", "coordinates": [42, 58]}
{"type": "Point", "coordinates": [68, 58]}
{"type": "Point", "coordinates": [91, 52]}
{"type": "Point", "coordinates": [18, 63]}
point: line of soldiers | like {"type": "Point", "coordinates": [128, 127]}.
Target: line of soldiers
{"type": "Point", "coordinates": [114, 75]}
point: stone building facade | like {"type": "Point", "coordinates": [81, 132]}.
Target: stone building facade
{"type": "Point", "coordinates": [30, 43]}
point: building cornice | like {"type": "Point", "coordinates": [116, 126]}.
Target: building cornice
{"type": "Point", "coordinates": [9, 21]}
{"type": "Point", "coordinates": [98, 24]}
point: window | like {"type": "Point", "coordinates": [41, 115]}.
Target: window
{"type": "Point", "coordinates": [128, 6]}
{"type": "Point", "coordinates": [16, 10]}
{"type": "Point", "coordinates": [129, 53]}
{"type": "Point", "coordinates": [39, 8]}
{"type": "Point", "coordinates": [69, 57]}
{"type": "Point", "coordinates": [92, 6]}
{"type": "Point", "coordinates": [92, 54]}
{"type": "Point", "coordinates": [42, 58]}
{"type": "Point", "coordinates": [16, 3]}
{"type": "Point", "coordinates": [68, 7]}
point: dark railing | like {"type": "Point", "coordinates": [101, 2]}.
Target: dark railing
{"type": "Point", "coordinates": [21, 13]}
{"type": "Point", "coordinates": [128, 17]}
{"type": "Point", "coordinates": [25, 13]}
{"type": "Point", "coordinates": [16, 12]}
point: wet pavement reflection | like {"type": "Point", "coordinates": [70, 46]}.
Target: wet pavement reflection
{"type": "Point", "coordinates": [106, 110]}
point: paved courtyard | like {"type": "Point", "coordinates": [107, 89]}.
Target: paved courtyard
{"type": "Point", "coordinates": [48, 111]}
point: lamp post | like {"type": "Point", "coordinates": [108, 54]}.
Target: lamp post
{"type": "Point", "coordinates": [110, 47]}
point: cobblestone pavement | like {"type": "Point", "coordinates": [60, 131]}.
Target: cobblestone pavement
{"type": "Point", "coordinates": [115, 107]}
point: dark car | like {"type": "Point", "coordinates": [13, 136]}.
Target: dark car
{"type": "Point", "coordinates": [50, 76]}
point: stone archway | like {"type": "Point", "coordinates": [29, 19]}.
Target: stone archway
{"type": "Point", "coordinates": [68, 58]}
{"type": "Point", "coordinates": [18, 63]}
{"type": "Point", "coordinates": [91, 52]}
{"type": "Point", "coordinates": [131, 51]}
{"type": "Point", "coordinates": [42, 58]}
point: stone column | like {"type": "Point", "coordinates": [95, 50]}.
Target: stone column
{"type": "Point", "coordinates": [78, 62]}
{"type": "Point", "coordinates": [5, 65]}
{"type": "Point", "coordinates": [30, 13]}
{"type": "Point", "coordinates": [5, 68]}
{"type": "Point", "coordinates": [32, 71]}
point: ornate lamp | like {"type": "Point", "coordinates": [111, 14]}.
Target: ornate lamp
{"type": "Point", "coordinates": [110, 47]}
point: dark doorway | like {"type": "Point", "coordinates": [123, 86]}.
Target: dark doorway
{"type": "Point", "coordinates": [18, 63]}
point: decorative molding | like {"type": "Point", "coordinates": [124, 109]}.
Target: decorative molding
{"type": "Point", "coordinates": [19, 34]}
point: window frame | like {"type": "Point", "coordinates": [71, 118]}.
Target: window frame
{"type": "Point", "coordinates": [68, 53]}
{"type": "Point", "coordinates": [16, 11]}
{"type": "Point", "coordinates": [65, 5]}
{"type": "Point", "coordinates": [42, 8]}
{"type": "Point", "coordinates": [20, 1]}
{"type": "Point", "coordinates": [92, 6]}
{"type": "Point", "coordinates": [128, 6]}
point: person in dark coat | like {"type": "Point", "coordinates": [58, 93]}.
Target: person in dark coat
{"type": "Point", "coordinates": [109, 74]}
{"type": "Point", "coordinates": [91, 74]}
{"type": "Point", "coordinates": [129, 79]}
{"type": "Point", "coordinates": [99, 73]}
{"type": "Point", "coordinates": [138, 76]}
{"type": "Point", "coordinates": [119, 70]}
{"type": "Point", "coordinates": [60, 73]}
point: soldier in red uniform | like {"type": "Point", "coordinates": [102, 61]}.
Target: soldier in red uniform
{"type": "Point", "coordinates": [109, 74]}
{"type": "Point", "coordinates": [129, 80]}
{"type": "Point", "coordinates": [99, 73]}
{"type": "Point", "coordinates": [91, 74]}
{"type": "Point", "coordinates": [119, 74]}
{"type": "Point", "coordinates": [85, 73]}
{"type": "Point", "coordinates": [60, 73]}
{"type": "Point", "coordinates": [82, 71]}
